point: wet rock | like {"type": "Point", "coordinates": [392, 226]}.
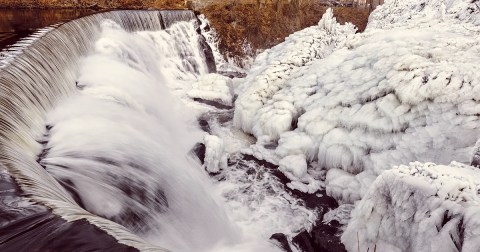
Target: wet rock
{"type": "Point", "coordinates": [282, 241]}
{"type": "Point", "coordinates": [199, 151]}
{"type": "Point", "coordinates": [303, 242]}
{"type": "Point", "coordinates": [215, 104]}
{"type": "Point", "coordinates": [326, 237]}
{"type": "Point", "coordinates": [204, 124]}
{"type": "Point", "coordinates": [232, 74]}
{"type": "Point", "coordinates": [221, 117]}
{"type": "Point", "coordinates": [208, 53]}
{"type": "Point", "coordinates": [323, 237]}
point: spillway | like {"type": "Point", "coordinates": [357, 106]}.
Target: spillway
{"type": "Point", "coordinates": [59, 96]}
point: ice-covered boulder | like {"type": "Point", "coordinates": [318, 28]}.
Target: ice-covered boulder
{"type": "Point", "coordinates": [396, 13]}
{"type": "Point", "coordinates": [420, 207]}
{"type": "Point", "coordinates": [212, 87]}
{"type": "Point", "coordinates": [215, 156]}
{"type": "Point", "coordinates": [274, 67]}
{"type": "Point", "coordinates": [295, 168]}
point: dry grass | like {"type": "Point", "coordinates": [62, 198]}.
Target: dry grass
{"type": "Point", "coordinates": [260, 23]}
{"type": "Point", "coordinates": [100, 4]}
{"type": "Point", "coordinates": [264, 25]}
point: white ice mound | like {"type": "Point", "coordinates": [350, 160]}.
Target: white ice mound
{"type": "Point", "coordinates": [420, 207]}
{"type": "Point", "coordinates": [272, 69]}
{"type": "Point", "coordinates": [215, 156]}
{"type": "Point", "coordinates": [396, 13]}
{"type": "Point", "coordinates": [295, 168]}
{"type": "Point", "coordinates": [213, 87]}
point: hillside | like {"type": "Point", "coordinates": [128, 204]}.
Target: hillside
{"type": "Point", "coordinates": [244, 27]}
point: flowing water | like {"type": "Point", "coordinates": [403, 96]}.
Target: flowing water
{"type": "Point", "coordinates": [92, 127]}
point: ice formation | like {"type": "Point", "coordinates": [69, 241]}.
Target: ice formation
{"type": "Point", "coordinates": [420, 207]}
{"type": "Point", "coordinates": [404, 90]}
{"type": "Point", "coordinates": [259, 110]}
{"type": "Point", "coordinates": [213, 87]}
{"type": "Point", "coordinates": [215, 158]}
{"type": "Point", "coordinates": [295, 168]}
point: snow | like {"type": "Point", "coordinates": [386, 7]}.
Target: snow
{"type": "Point", "coordinates": [419, 207]}
{"type": "Point", "coordinates": [357, 104]}
{"type": "Point", "coordinates": [213, 87]}
{"type": "Point", "coordinates": [215, 158]}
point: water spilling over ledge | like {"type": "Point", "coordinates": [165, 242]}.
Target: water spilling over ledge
{"type": "Point", "coordinates": [46, 73]}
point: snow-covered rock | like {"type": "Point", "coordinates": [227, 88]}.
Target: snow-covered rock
{"type": "Point", "coordinates": [271, 71]}
{"type": "Point", "coordinates": [396, 13]}
{"type": "Point", "coordinates": [295, 168]}
{"type": "Point", "coordinates": [215, 157]}
{"type": "Point", "coordinates": [476, 155]}
{"type": "Point", "coordinates": [420, 207]}
{"type": "Point", "coordinates": [212, 87]}
{"type": "Point", "coordinates": [405, 90]}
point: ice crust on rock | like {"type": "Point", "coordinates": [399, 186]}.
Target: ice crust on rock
{"type": "Point", "coordinates": [215, 157]}
{"type": "Point", "coordinates": [213, 87]}
{"type": "Point", "coordinates": [405, 90]}
{"type": "Point", "coordinates": [295, 168]}
{"type": "Point", "coordinates": [271, 71]}
{"type": "Point", "coordinates": [396, 13]}
{"type": "Point", "coordinates": [419, 207]}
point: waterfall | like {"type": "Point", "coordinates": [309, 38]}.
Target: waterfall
{"type": "Point", "coordinates": [93, 140]}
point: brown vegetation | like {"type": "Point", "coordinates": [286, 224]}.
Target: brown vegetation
{"type": "Point", "coordinates": [100, 4]}
{"type": "Point", "coordinates": [264, 25]}
{"type": "Point", "coordinates": [258, 23]}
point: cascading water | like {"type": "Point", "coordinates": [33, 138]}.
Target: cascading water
{"type": "Point", "coordinates": [46, 73]}
{"type": "Point", "coordinates": [121, 145]}
{"type": "Point", "coordinates": [90, 129]}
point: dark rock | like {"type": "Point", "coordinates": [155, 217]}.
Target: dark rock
{"type": "Point", "coordinates": [326, 237]}
{"type": "Point", "coordinates": [204, 125]}
{"type": "Point", "coordinates": [232, 74]}
{"type": "Point", "coordinates": [303, 242]}
{"type": "Point", "coordinates": [199, 151]}
{"type": "Point", "coordinates": [323, 238]}
{"type": "Point", "coordinates": [476, 160]}
{"type": "Point", "coordinates": [216, 104]}
{"type": "Point", "coordinates": [208, 53]}
{"type": "Point", "coordinates": [319, 201]}
{"type": "Point", "coordinates": [221, 117]}
{"type": "Point", "coordinates": [282, 241]}
{"type": "Point", "coordinates": [271, 146]}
